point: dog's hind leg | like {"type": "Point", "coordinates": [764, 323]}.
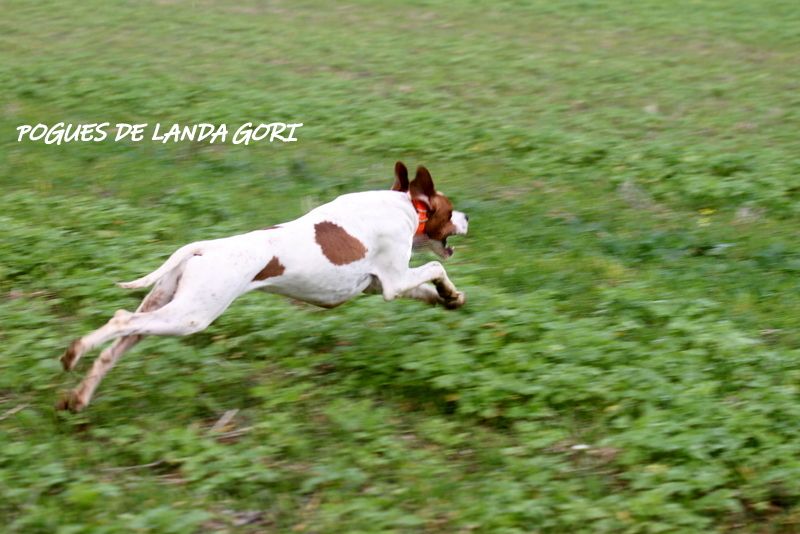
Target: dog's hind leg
{"type": "Point", "coordinates": [79, 398]}
{"type": "Point", "coordinates": [206, 290]}
{"type": "Point", "coordinates": [160, 295]}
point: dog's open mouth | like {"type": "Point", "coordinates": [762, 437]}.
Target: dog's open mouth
{"type": "Point", "coordinates": [441, 249]}
{"type": "Point", "coordinates": [437, 246]}
{"type": "Point", "coordinates": [448, 251]}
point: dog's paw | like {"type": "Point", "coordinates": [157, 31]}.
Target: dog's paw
{"type": "Point", "coordinates": [70, 401]}
{"type": "Point", "coordinates": [71, 355]}
{"type": "Point", "coordinates": [456, 301]}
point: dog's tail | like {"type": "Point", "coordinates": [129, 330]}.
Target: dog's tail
{"type": "Point", "coordinates": [178, 257]}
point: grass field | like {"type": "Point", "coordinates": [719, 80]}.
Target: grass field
{"type": "Point", "coordinates": [629, 357]}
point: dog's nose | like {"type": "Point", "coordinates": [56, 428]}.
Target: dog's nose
{"type": "Point", "coordinates": [466, 217]}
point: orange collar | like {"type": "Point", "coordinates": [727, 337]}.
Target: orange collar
{"type": "Point", "coordinates": [422, 213]}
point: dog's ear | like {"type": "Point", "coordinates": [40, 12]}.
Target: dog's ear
{"type": "Point", "coordinates": [422, 186]}
{"type": "Point", "coordinates": [400, 177]}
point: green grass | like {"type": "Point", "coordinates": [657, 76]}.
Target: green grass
{"type": "Point", "coordinates": [632, 176]}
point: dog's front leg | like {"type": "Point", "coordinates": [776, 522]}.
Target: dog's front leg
{"type": "Point", "coordinates": [410, 283]}
{"type": "Point", "coordinates": [425, 292]}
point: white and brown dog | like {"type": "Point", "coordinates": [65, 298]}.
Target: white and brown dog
{"type": "Point", "coordinates": [359, 243]}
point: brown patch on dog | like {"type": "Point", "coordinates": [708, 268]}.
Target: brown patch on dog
{"type": "Point", "coordinates": [153, 300]}
{"type": "Point", "coordinates": [337, 245]}
{"type": "Point", "coordinates": [273, 268]}
{"type": "Point", "coordinates": [439, 226]}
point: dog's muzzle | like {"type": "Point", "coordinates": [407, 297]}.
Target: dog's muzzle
{"type": "Point", "coordinates": [461, 222]}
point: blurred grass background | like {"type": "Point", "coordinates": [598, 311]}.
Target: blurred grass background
{"type": "Point", "coordinates": [628, 360]}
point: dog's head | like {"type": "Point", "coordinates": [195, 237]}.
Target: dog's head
{"type": "Point", "coordinates": [442, 220]}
